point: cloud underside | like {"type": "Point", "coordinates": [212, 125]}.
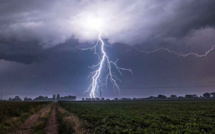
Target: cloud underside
{"type": "Point", "coordinates": [29, 28]}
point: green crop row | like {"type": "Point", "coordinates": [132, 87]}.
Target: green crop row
{"type": "Point", "coordinates": [147, 117]}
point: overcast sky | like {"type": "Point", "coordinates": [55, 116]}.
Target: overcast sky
{"type": "Point", "coordinates": [40, 45]}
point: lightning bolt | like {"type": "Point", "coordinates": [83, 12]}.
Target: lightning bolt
{"type": "Point", "coordinates": [178, 54]}
{"type": "Point", "coordinates": [95, 75]}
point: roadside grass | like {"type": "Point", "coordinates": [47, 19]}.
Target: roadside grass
{"type": "Point", "coordinates": [69, 123]}
{"type": "Point", "coordinates": [14, 114]}
{"type": "Point", "coordinates": [39, 127]}
{"type": "Point", "coordinates": [64, 127]}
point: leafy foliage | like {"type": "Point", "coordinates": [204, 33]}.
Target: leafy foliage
{"type": "Point", "coordinates": [147, 117]}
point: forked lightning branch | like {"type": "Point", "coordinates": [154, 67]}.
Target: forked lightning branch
{"type": "Point", "coordinates": [103, 72]}
{"type": "Point", "coordinates": [98, 69]}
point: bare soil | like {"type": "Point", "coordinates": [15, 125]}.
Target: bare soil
{"type": "Point", "coordinates": [52, 127]}
{"type": "Point", "coordinates": [78, 125]}
{"type": "Point", "coordinates": [25, 127]}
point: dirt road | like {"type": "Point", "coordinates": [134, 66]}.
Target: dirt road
{"type": "Point", "coordinates": [72, 121]}
{"type": "Point", "coordinates": [52, 127]}
{"type": "Point", "coordinates": [25, 127]}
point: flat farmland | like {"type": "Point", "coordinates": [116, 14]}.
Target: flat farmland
{"type": "Point", "coordinates": [13, 114]}
{"type": "Point", "coordinates": [133, 117]}
{"type": "Point", "coordinates": [145, 117]}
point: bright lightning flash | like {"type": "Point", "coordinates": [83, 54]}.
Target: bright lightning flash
{"type": "Point", "coordinates": [104, 60]}
{"type": "Point", "coordinates": [179, 54]}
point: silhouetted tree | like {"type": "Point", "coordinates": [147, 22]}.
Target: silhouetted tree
{"type": "Point", "coordinates": [180, 97]}
{"type": "Point", "coordinates": [16, 98]}
{"type": "Point", "coordinates": [195, 96]}
{"type": "Point", "coordinates": [173, 96]}
{"type": "Point", "coordinates": [207, 95]}
{"type": "Point", "coordinates": [41, 98]}
{"type": "Point", "coordinates": [27, 99]}
{"type": "Point", "coordinates": [213, 94]}
{"type": "Point", "coordinates": [188, 96]}
{"type": "Point", "coordinates": [161, 96]}
{"type": "Point", "coordinates": [151, 97]}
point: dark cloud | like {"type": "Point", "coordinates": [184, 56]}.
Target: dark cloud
{"type": "Point", "coordinates": [188, 15]}
{"type": "Point", "coordinates": [66, 72]}
{"type": "Point", "coordinates": [50, 23]}
{"type": "Point", "coordinates": [47, 36]}
{"type": "Point", "coordinates": [20, 51]}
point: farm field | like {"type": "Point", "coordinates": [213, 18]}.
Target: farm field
{"type": "Point", "coordinates": [13, 114]}
{"type": "Point", "coordinates": [145, 117]}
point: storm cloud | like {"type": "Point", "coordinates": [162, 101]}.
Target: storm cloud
{"type": "Point", "coordinates": [126, 21]}
{"type": "Point", "coordinates": [47, 36]}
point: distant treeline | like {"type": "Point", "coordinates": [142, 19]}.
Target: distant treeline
{"type": "Point", "coordinates": [188, 96]}
{"type": "Point", "coordinates": [206, 96]}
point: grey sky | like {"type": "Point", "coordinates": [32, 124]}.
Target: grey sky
{"type": "Point", "coordinates": [40, 41]}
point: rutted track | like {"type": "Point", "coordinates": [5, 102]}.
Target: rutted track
{"type": "Point", "coordinates": [69, 120]}
{"type": "Point", "coordinates": [52, 127]}
{"type": "Point", "coordinates": [25, 127]}
{"type": "Point", "coordinates": [78, 126]}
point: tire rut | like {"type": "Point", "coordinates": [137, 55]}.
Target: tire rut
{"type": "Point", "coordinates": [52, 127]}
{"type": "Point", "coordinates": [25, 127]}
{"type": "Point", "coordinates": [79, 126]}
